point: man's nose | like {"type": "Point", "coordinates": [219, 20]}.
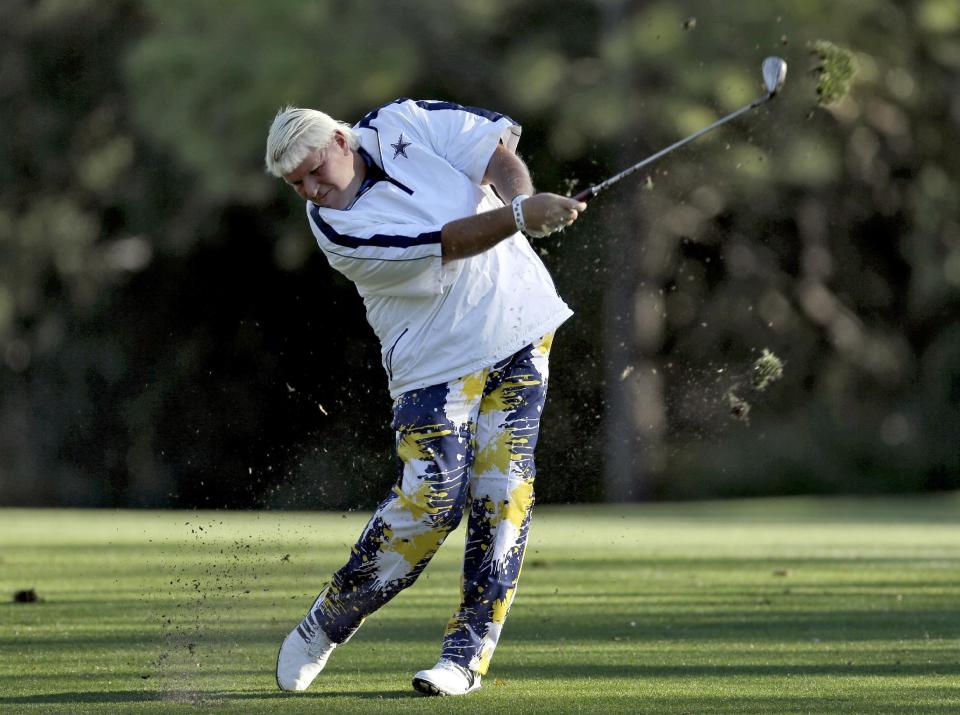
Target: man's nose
{"type": "Point", "coordinates": [308, 189]}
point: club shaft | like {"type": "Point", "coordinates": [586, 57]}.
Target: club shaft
{"type": "Point", "coordinates": [588, 194]}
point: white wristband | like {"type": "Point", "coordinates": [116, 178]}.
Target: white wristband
{"type": "Point", "coordinates": [517, 206]}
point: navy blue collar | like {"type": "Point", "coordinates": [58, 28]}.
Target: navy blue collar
{"type": "Point", "coordinates": [373, 174]}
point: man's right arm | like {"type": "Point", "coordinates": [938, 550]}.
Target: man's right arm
{"type": "Point", "coordinates": [472, 235]}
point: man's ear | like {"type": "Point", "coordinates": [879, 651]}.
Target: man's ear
{"type": "Point", "coordinates": [341, 141]}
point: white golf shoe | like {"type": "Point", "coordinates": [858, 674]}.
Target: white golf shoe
{"type": "Point", "coordinates": [446, 678]}
{"type": "Point", "coordinates": [300, 661]}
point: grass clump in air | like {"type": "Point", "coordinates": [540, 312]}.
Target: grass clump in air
{"type": "Point", "coordinates": [835, 71]}
{"type": "Point", "coordinates": [739, 408]}
{"type": "Point", "coordinates": [766, 370]}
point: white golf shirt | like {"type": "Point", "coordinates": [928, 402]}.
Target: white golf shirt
{"type": "Point", "coordinates": [435, 322]}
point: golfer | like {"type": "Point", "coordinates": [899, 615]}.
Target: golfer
{"type": "Point", "coordinates": [422, 204]}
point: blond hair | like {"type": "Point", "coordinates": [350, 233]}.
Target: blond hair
{"type": "Point", "coordinates": [295, 131]}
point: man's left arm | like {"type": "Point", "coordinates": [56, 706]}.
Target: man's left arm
{"type": "Point", "coordinates": [509, 176]}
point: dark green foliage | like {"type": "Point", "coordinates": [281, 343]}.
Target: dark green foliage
{"type": "Point", "coordinates": [170, 335]}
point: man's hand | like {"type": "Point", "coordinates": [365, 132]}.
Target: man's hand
{"type": "Point", "coordinates": [546, 213]}
{"type": "Point", "coordinates": [542, 213]}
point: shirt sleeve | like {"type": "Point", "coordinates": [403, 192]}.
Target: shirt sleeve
{"type": "Point", "coordinates": [465, 136]}
{"type": "Point", "coordinates": [400, 260]}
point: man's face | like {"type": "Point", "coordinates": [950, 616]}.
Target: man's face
{"type": "Point", "coordinates": [328, 175]}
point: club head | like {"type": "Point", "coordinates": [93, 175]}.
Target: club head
{"type": "Point", "coordinates": [774, 74]}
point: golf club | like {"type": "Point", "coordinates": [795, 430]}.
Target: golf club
{"type": "Point", "coordinates": [774, 75]}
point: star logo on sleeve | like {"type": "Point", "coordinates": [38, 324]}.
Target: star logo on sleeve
{"type": "Point", "coordinates": [400, 148]}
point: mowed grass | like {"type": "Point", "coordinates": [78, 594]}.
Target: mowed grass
{"type": "Point", "coordinates": [766, 606]}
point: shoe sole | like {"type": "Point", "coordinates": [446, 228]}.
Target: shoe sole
{"type": "Point", "coordinates": [276, 671]}
{"type": "Point", "coordinates": [425, 687]}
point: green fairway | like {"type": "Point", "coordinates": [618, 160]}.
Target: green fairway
{"type": "Point", "coordinates": [766, 606]}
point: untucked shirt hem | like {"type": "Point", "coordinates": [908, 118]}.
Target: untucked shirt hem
{"type": "Point", "coordinates": [505, 351]}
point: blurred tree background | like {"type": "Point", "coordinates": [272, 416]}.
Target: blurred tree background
{"type": "Point", "coordinates": [171, 336]}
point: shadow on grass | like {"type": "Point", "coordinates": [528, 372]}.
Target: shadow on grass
{"type": "Point", "coordinates": [197, 697]}
{"type": "Point", "coordinates": [581, 671]}
{"type": "Point", "coordinates": [765, 622]}
{"type": "Point", "coordinates": [945, 697]}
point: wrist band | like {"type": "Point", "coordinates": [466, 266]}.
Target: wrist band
{"type": "Point", "coordinates": [517, 206]}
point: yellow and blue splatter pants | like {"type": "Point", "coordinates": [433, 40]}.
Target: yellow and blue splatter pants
{"type": "Point", "coordinates": [464, 445]}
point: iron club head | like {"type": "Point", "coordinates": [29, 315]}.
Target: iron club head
{"type": "Point", "coordinates": [774, 74]}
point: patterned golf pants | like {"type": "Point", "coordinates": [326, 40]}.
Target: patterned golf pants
{"type": "Point", "coordinates": [467, 444]}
